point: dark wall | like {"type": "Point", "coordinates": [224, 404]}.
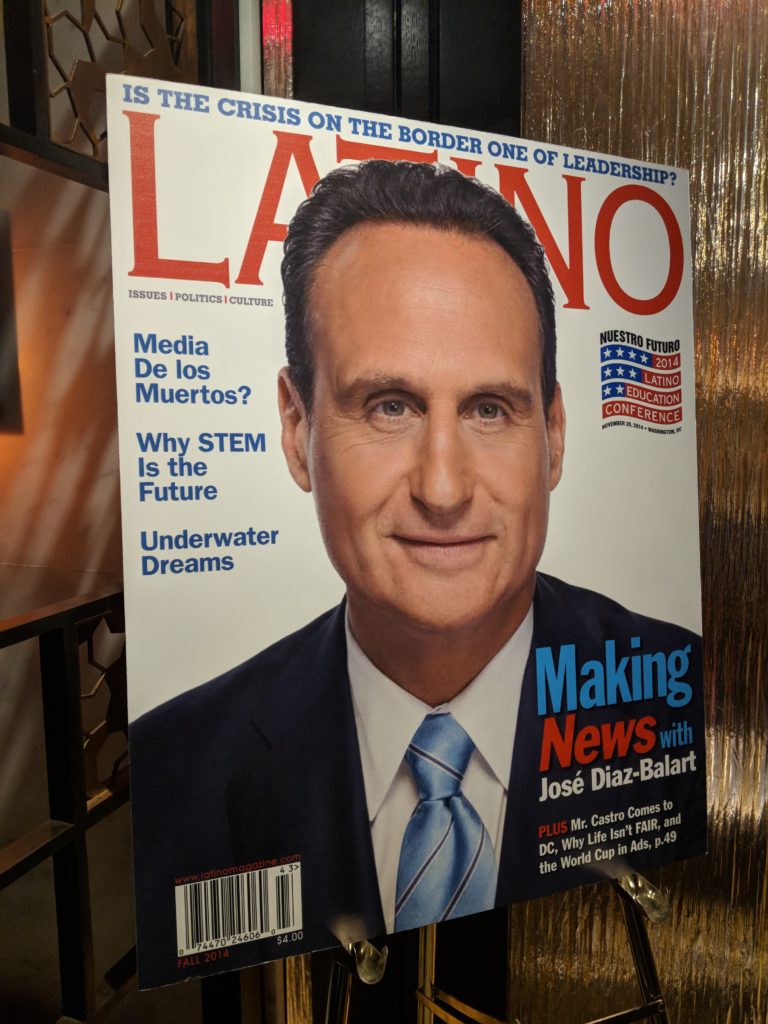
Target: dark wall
{"type": "Point", "coordinates": [435, 60]}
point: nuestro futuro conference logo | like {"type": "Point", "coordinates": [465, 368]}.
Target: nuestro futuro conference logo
{"type": "Point", "coordinates": [640, 382]}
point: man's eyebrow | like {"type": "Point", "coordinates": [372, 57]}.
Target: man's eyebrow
{"type": "Point", "coordinates": [514, 393]}
{"type": "Point", "coordinates": [375, 383]}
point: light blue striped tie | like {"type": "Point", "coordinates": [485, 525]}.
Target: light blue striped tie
{"type": "Point", "coordinates": [447, 868]}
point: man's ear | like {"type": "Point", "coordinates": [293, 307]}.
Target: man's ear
{"type": "Point", "coordinates": [295, 429]}
{"type": "Point", "coordinates": [556, 437]}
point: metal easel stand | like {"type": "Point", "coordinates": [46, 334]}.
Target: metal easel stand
{"type": "Point", "coordinates": [368, 965]}
{"type": "Point", "coordinates": [639, 900]}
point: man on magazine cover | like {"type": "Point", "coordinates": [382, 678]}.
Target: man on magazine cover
{"type": "Point", "coordinates": [393, 747]}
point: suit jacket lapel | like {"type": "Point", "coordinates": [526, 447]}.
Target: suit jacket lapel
{"type": "Point", "coordinates": [518, 863]}
{"type": "Point", "coordinates": [301, 791]}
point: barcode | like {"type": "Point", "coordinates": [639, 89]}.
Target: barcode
{"type": "Point", "coordinates": [238, 908]}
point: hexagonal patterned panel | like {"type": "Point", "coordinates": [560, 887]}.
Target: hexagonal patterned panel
{"type": "Point", "coordinates": [86, 39]}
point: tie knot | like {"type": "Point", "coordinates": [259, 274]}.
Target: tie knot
{"type": "Point", "coordinates": [438, 756]}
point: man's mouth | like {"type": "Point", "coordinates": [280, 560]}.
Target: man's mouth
{"type": "Point", "coordinates": [443, 551]}
{"type": "Point", "coordinates": [441, 540]}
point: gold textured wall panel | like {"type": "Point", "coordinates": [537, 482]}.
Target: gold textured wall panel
{"type": "Point", "coordinates": [684, 84]}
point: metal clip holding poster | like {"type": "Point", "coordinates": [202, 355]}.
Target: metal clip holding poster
{"type": "Point", "coordinates": [367, 962]}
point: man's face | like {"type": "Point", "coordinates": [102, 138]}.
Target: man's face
{"type": "Point", "coordinates": [428, 449]}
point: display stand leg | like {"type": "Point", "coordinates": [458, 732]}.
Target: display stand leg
{"type": "Point", "coordinates": [339, 991]}
{"type": "Point", "coordinates": [639, 899]}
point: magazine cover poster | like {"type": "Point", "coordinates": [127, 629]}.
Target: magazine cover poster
{"type": "Point", "coordinates": [408, 473]}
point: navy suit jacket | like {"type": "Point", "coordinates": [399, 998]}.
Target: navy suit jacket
{"type": "Point", "coordinates": [262, 764]}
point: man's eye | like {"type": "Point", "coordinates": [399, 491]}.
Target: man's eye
{"type": "Point", "coordinates": [489, 411]}
{"type": "Point", "coordinates": [391, 407]}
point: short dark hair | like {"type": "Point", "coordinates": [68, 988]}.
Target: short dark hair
{"type": "Point", "coordinates": [399, 192]}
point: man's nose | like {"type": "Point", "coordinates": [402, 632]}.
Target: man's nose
{"type": "Point", "coordinates": [441, 479]}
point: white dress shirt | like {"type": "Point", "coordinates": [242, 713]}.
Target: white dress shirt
{"type": "Point", "coordinates": [387, 716]}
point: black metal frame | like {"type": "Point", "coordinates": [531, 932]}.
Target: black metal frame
{"type": "Point", "coordinates": [60, 630]}
{"type": "Point", "coordinates": [218, 47]}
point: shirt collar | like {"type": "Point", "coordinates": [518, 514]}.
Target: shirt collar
{"type": "Point", "coordinates": [387, 716]}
